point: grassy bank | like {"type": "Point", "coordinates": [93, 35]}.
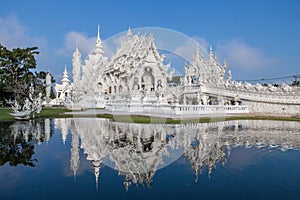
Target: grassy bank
{"type": "Point", "coordinates": [62, 113]}
{"type": "Point", "coordinates": [45, 113]}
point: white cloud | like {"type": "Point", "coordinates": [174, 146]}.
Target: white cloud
{"type": "Point", "coordinates": [202, 42]}
{"type": "Point", "coordinates": [241, 55]}
{"type": "Point", "coordinates": [85, 43]}
{"type": "Point", "coordinates": [187, 49]}
{"type": "Point", "coordinates": [13, 33]}
{"type": "Point", "coordinates": [113, 43]}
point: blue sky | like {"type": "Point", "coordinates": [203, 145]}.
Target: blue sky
{"type": "Point", "coordinates": [257, 38]}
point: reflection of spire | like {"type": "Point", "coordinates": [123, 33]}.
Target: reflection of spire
{"type": "Point", "coordinates": [196, 175]}
{"type": "Point", "coordinates": [38, 136]}
{"type": "Point", "coordinates": [96, 165]}
{"type": "Point", "coordinates": [47, 130]}
{"type": "Point", "coordinates": [64, 129]}
{"type": "Point", "coordinates": [127, 183]}
{"type": "Point", "coordinates": [74, 160]}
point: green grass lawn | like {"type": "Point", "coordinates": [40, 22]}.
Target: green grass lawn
{"type": "Point", "coordinates": [45, 113]}
{"type": "Point", "coordinates": [62, 113]}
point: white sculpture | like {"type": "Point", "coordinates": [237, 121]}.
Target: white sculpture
{"type": "Point", "coordinates": [32, 104]}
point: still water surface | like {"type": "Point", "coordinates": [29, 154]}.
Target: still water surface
{"type": "Point", "coordinates": [86, 158]}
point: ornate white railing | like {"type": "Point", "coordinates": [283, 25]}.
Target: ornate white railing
{"type": "Point", "coordinates": [279, 96]}
{"type": "Point", "coordinates": [174, 109]}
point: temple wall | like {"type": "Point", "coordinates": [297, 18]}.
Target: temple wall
{"type": "Point", "coordinates": [272, 108]}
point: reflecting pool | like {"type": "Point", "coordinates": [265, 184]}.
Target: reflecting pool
{"type": "Point", "coordinates": [93, 158]}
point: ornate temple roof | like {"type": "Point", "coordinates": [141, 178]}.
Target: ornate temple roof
{"type": "Point", "coordinates": [135, 52]}
{"type": "Point", "coordinates": [207, 69]}
{"type": "Point", "coordinates": [65, 78]}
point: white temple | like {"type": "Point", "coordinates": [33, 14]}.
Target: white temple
{"type": "Point", "coordinates": [136, 80]}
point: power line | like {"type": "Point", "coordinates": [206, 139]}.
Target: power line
{"type": "Point", "coordinates": [274, 78]}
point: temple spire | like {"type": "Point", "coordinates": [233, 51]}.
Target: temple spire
{"type": "Point", "coordinates": [65, 78]}
{"type": "Point", "coordinates": [77, 46]}
{"type": "Point", "coordinates": [65, 72]}
{"type": "Point", "coordinates": [76, 66]}
{"type": "Point", "coordinates": [98, 36]}
{"type": "Point", "coordinates": [229, 76]}
{"type": "Point", "coordinates": [98, 47]}
{"type": "Point", "coordinates": [96, 165]}
{"type": "Point", "coordinates": [129, 33]}
{"type": "Point", "coordinates": [212, 59]}
{"type": "Point", "coordinates": [198, 54]}
{"type": "Point", "coordinates": [225, 64]}
{"type": "Point", "coordinates": [76, 53]}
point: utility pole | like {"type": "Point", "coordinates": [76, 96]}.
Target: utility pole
{"type": "Point", "coordinates": [296, 83]}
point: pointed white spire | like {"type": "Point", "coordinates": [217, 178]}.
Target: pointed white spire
{"type": "Point", "coordinates": [225, 64]}
{"type": "Point", "coordinates": [65, 72]}
{"type": "Point", "coordinates": [211, 55]}
{"type": "Point", "coordinates": [198, 54]}
{"type": "Point", "coordinates": [76, 53]}
{"type": "Point", "coordinates": [129, 33]}
{"type": "Point", "coordinates": [229, 76]}
{"type": "Point", "coordinates": [76, 66]}
{"type": "Point", "coordinates": [98, 36]}
{"type": "Point", "coordinates": [96, 165]}
{"type": "Point", "coordinates": [77, 46]}
{"type": "Point", "coordinates": [65, 78]}
{"type": "Point", "coordinates": [98, 47]}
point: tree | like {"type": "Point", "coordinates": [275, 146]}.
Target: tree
{"type": "Point", "coordinates": [15, 74]}
{"type": "Point", "coordinates": [296, 83]}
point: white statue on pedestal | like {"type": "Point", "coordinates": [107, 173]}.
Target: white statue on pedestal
{"type": "Point", "coordinates": [48, 87]}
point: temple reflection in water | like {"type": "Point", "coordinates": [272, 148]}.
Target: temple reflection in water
{"type": "Point", "coordinates": [137, 151]}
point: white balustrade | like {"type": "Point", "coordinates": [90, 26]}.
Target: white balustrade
{"type": "Point", "coordinates": [174, 109]}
